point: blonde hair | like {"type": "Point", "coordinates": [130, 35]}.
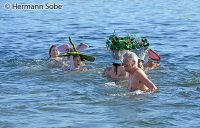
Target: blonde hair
{"type": "Point", "coordinates": [131, 55]}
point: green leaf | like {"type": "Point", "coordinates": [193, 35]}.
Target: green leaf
{"type": "Point", "coordinates": [88, 57]}
{"type": "Point", "coordinates": [85, 57]}
{"type": "Point", "coordinates": [71, 42]}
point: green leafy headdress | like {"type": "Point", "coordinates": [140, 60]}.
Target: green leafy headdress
{"type": "Point", "coordinates": [126, 43]}
{"type": "Point", "coordinates": [118, 45]}
{"type": "Point", "coordinates": [78, 53]}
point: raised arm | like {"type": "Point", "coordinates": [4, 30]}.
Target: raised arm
{"type": "Point", "coordinates": [144, 79]}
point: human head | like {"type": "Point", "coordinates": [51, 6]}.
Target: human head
{"type": "Point", "coordinates": [77, 61]}
{"type": "Point", "coordinates": [130, 60]}
{"type": "Point", "coordinates": [140, 63]}
{"type": "Point", "coordinates": [53, 51]}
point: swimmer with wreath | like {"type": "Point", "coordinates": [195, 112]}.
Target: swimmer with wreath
{"type": "Point", "coordinates": [76, 57]}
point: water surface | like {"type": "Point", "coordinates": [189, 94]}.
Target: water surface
{"type": "Point", "coordinates": [35, 93]}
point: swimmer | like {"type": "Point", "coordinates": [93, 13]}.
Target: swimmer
{"type": "Point", "coordinates": [73, 55]}
{"type": "Point", "coordinates": [117, 71]}
{"type": "Point", "coordinates": [75, 64]}
{"type": "Point", "coordinates": [137, 80]}
{"type": "Point", "coordinates": [54, 53]}
{"type": "Point", "coordinates": [145, 62]}
{"type": "Point", "coordinates": [55, 57]}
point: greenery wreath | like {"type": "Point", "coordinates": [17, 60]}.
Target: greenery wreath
{"type": "Point", "coordinates": [78, 53]}
{"type": "Point", "coordinates": [126, 43]}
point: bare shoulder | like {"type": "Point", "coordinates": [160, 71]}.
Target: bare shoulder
{"type": "Point", "coordinates": [140, 73]}
{"type": "Point", "coordinates": [139, 70]}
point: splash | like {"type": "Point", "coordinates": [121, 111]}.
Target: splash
{"type": "Point", "coordinates": [134, 93]}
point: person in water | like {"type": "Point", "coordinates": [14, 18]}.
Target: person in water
{"type": "Point", "coordinates": [145, 62]}
{"type": "Point", "coordinates": [75, 63]}
{"type": "Point", "coordinates": [72, 63]}
{"type": "Point", "coordinates": [137, 80]}
{"type": "Point", "coordinates": [117, 70]}
{"type": "Point", "coordinates": [53, 52]}
{"type": "Point", "coordinates": [54, 55]}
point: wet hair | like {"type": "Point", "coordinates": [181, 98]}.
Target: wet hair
{"type": "Point", "coordinates": [131, 55]}
{"type": "Point", "coordinates": [52, 46]}
{"type": "Point", "coordinates": [116, 65]}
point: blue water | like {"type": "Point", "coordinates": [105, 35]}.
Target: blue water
{"type": "Point", "coordinates": [35, 93]}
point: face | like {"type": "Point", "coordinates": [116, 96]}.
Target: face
{"type": "Point", "coordinates": [140, 65]}
{"type": "Point", "coordinates": [128, 63]}
{"type": "Point", "coordinates": [77, 61]}
{"type": "Point", "coordinates": [54, 52]}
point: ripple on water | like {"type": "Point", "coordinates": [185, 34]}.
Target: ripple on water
{"type": "Point", "coordinates": [37, 93]}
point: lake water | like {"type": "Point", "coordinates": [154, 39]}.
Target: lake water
{"type": "Point", "coordinates": [34, 93]}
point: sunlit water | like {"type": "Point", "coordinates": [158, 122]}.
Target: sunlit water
{"type": "Point", "coordinates": [35, 93]}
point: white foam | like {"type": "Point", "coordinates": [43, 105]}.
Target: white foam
{"type": "Point", "coordinates": [112, 84]}
{"type": "Point", "coordinates": [134, 93]}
